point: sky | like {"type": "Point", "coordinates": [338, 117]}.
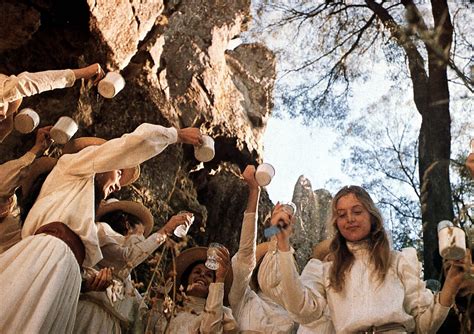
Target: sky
{"type": "Point", "coordinates": [295, 149]}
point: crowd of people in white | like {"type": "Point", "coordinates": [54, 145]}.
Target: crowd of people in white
{"type": "Point", "coordinates": [66, 253]}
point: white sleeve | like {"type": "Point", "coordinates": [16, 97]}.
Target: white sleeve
{"type": "Point", "coordinates": [419, 301]}
{"type": "Point", "coordinates": [147, 141]}
{"type": "Point", "coordinates": [11, 174]}
{"type": "Point", "coordinates": [14, 87]}
{"type": "Point", "coordinates": [131, 255]}
{"type": "Point", "coordinates": [212, 320]}
{"type": "Point", "coordinates": [305, 303]}
{"type": "Point", "coordinates": [243, 262]}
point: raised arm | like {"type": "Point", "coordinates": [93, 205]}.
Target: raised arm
{"type": "Point", "coordinates": [243, 262]}
{"type": "Point", "coordinates": [12, 172]}
{"type": "Point", "coordinates": [147, 141]}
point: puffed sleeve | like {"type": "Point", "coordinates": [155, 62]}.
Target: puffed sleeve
{"type": "Point", "coordinates": [419, 301]}
{"type": "Point", "coordinates": [305, 303]}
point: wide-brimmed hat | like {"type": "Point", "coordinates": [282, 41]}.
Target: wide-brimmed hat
{"type": "Point", "coordinates": [129, 175]}
{"type": "Point", "coordinates": [38, 167]}
{"type": "Point", "coordinates": [321, 250]}
{"type": "Point", "coordinates": [191, 256]}
{"type": "Point", "coordinates": [134, 208]}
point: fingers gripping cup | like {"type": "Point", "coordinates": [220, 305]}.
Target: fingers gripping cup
{"type": "Point", "coordinates": [183, 229]}
{"type": "Point", "coordinates": [64, 129]}
{"type": "Point", "coordinates": [289, 208]}
{"type": "Point", "coordinates": [111, 85]}
{"type": "Point", "coordinates": [206, 151]}
{"type": "Point", "coordinates": [264, 174]}
{"type": "Point", "coordinates": [451, 241]}
{"type": "Point", "coordinates": [211, 261]}
{"type": "Point", "coordinates": [26, 120]}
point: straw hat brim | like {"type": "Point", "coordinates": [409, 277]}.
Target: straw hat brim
{"type": "Point", "coordinates": [134, 208]}
{"type": "Point", "coordinates": [189, 257]}
{"type": "Point", "coordinates": [322, 250]}
{"type": "Point", "coordinates": [129, 175]}
{"type": "Point", "coordinates": [38, 167]}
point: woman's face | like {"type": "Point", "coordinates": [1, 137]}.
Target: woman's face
{"type": "Point", "coordinates": [199, 280]}
{"type": "Point", "coordinates": [353, 219]}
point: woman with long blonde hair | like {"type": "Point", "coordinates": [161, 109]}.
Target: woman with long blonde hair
{"type": "Point", "coordinates": [366, 286]}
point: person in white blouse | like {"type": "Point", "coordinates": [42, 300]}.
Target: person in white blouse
{"type": "Point", "coordinates": [254, 310]}
{"type": "Point", "coordinates": [14, 87]}
{"type": "Point", "coordinates": [367, 287]}
{"type": "Point", "coordinates": [17, 173]}
{"type": "Point", "coordinates": [40, 276]}
{"type": "Point", "coordinates": [125, 241]}
{"type": "Point", "coordinates": [202, 310]}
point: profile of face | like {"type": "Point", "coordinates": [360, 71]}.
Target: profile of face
{"type": "Point", "coordinates": [108, 182]}
{"type": "Point", "coordinates": [12, 109]}
{"type": "Point", "coordinates": [353, 219]}
{"type": "Point", "coordinates": [199, 280]}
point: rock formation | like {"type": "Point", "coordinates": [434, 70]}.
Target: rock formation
{"type": "Point", "coordinates": [313, 213]}
{"type": "Point", "coordinates": [178, 72]}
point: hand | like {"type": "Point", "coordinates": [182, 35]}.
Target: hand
{"type": "Point", "coordinates": [191, 136]}
{"type": "Point", "coordinates": [43, 140]}
{"type": "Point", "coordinates": [175, 221]}
{"type": "Point", "coordinates": [91, 71]}
{"type": "Point", "coordinates": [249, 177]}
{"type": "Point", "coordinates": [280, 217]}
{"type": "Point", "coordinates": [456, 271]}
{"type": "Point", "coordinates": [223, 258]}
{"type": "Point", "coordinates": [99, 282]}
{"type": "Point", "coordinates": [470, 163]}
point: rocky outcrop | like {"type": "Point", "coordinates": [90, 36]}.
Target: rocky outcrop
{"type": "Point", "coordinates": [313, 213]}
{"type": "Point", "coordinates": [178, 71]}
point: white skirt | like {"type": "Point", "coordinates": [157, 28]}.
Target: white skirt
{"type": "Point", "coordinates": [40, 282]}
{"type": "Point", "coordinates": [92, 318]}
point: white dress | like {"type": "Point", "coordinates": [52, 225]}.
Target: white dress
{"type": "Point", "coordinates": [67, 196]}
{"type": "Point", "coordinates": [96, 312]}
{"type": "Point", "coordinates": [254, 312]}
{"type": "Point", "coordinates": [15, 87]}
{"type": "Point", "coordinates": [11, 174]}
{"type": "Point", "coordinates": [364, 303]}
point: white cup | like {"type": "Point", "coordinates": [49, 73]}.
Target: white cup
{"type": "Point", "coordinates": [264, 174]}
{"type": "Point", "coordinates": [205, 152]}
{"type": "Point", "coordinates": [63, 130]}
{"type": "Point", "coordinates": [26, 120]}
{"type": "Point", "coordinates": [111, 85]}
{"type": "Point", "coordinates": [451, 241]}
{"type": "Point", "coordinates": [183, 229]}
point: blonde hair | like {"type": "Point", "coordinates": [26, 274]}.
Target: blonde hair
{"type": "Point", "coordinates": [377, 240]}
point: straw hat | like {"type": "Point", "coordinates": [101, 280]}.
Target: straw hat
{"type": "Point", "coordinates": [189, 257]}
{"type": "Point", "coordinates": [321, 250]}
{"type": "Point", "coordinates": [134, 208]}
{"type": "Point", "coordinates": [38, 167]}
{"type": "Point", "coordinates": [129, 175]}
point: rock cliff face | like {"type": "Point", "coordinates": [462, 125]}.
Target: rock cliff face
{"type": "Point", "coordinates": [178, 71]}
{"type": "Point", "coordinates": [314, 211]}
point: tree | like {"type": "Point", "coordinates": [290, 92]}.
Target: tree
{"type": "Point", "coordinates": [347, 33]}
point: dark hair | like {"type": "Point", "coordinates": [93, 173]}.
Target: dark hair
{"type": "Point", "coordinates": [121, 221]}
{"type": "Point", "coordinates": [26, 201]}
